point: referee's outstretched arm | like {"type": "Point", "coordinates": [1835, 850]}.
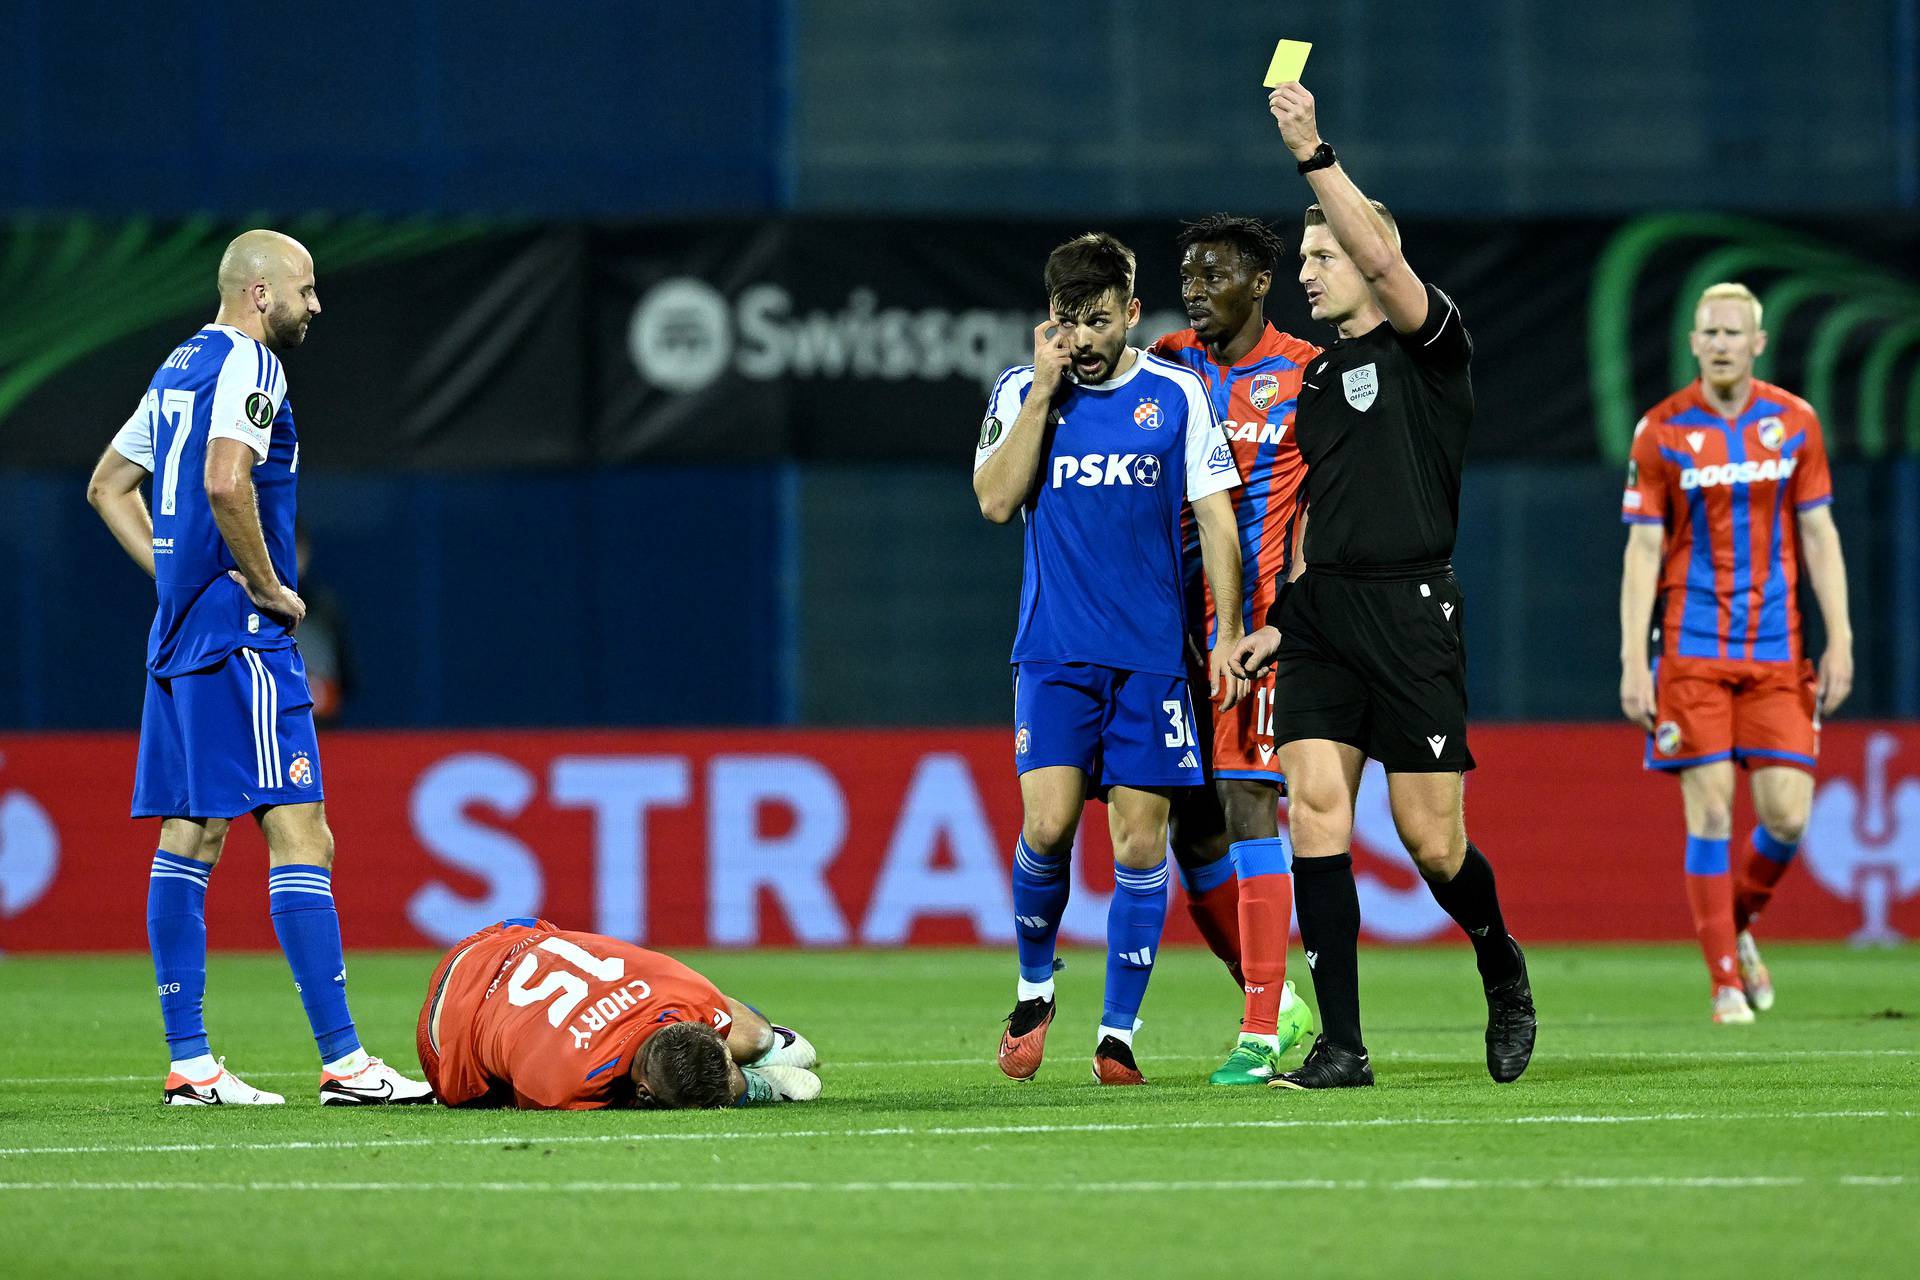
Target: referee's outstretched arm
{"type": "Point", "coordinates": [1373, 245]}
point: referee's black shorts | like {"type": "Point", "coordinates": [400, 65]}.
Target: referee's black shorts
{"type": "Point", "coordinates": [1379, 664]}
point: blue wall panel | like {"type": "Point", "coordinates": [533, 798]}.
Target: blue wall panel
{"type": "Point", "coordinates": [828, 595]}
{"type": "Point", "coordinates": [509, 106]}
{"type": "Point", "coordinates": [611, 598]}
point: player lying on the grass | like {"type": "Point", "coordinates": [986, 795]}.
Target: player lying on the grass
{"type": "Point", "coordinates": [1226, 837]}
{"type": "Point", "coordinates": [227, 728]}
{"type": "Point", "coordinates": [528, 1015]}
{"type": "Point", "coordinates": [1727, 489]}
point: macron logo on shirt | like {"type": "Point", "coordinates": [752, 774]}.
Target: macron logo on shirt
{"type": "Point", "coordinates": [1095, 470]}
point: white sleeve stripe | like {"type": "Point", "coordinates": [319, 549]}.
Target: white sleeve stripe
{"type": "Point", "coordinates": [228, 417]}
{"type": "Point", "coordinates": [993, 397]}
{"type": "Point", "coordinates": [1451, 312]}
{"type": "Point", "coordinates": [267, 373]}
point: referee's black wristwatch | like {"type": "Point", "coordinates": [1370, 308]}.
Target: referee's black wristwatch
{"type": "Point", "coordinates": [1322, 158]}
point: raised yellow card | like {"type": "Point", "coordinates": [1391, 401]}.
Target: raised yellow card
{"type": "Point", "coordinates": [1289, 60]}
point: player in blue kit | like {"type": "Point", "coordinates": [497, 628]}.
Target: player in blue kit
{"type": "Point", "coordinates": [228, 724]}
{"type": "Point", "coordinates": [1098, 445]}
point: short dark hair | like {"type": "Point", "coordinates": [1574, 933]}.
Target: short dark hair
{"type": "Point", "coordinates": [1317, 217]}
{"type": "Point", "coordinates": [1083, 269]}
{"type": "Point", "coordinates": [684, 1065]}
{"type": "Point", "coordinates": [1258, 244]}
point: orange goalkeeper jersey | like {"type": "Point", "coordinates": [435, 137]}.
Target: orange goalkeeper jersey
{"type": "Point", "coordinates": [547, 1018]}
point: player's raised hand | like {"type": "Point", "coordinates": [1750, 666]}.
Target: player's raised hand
{"type": "Point", "coordinates": [279, 600]}
{"type": "Point", "coordinates": [1255, 653]}
{"type": "Point", "coordinates": [1227, 685]}
{"type": "Point", "coordinates": [1292, 108]}
{"type": "Point", "coordinates": [1636, 696]}
{"type": "Point", "coordinates": [1836, 678]}
{"type": "Point", "coordinates": [1051, 355]}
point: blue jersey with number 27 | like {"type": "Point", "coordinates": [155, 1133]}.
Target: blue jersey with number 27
{"type": "Point", "coordinates": [218, 383]}
{"type": "Point", "coordinates": [1102, 582]}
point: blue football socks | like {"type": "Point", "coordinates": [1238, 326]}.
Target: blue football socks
{"type": "Point", "coordinates": [177, 934]}
{"type": "Point", "coordinates": [1135, 920]}
{"type": "Point", "coordinates": [301, 901]}
{"type": "Point", "coordinates": [1040, 890]}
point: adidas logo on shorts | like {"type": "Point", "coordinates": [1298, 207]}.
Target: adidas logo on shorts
{"type": "Point", "coordinates": [1188, 761]}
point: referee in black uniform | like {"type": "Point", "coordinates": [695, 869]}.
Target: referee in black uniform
{"type": "Point", "coordinates": [1369, 639]}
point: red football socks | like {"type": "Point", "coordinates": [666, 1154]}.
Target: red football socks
{"type": "Point", "coordinates": [1266, 917]}
{"type": "Point", "coordinates": [1710, 897]}
{"type": "Point", "coordinates": [1767, 861]}
{"type": "Point", "coordinates": [1216, 913]}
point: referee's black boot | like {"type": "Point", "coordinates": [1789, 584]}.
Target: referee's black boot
{"type": "Point", "coordinates": [1328, 1066]}
{"type": "Point", "coordinates": [1510, 1025]}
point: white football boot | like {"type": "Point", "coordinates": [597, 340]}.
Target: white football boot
{"type": "Point", "coordinates": [225, 1089]}
{"type": "Point", "coordinates": [1753, 972]}
{"type": "Point", "coordinates": [1730, 1006]}
{"type": "Point", "coordinates": [790, 1049]}
{"type": "Point", "coordinates": [780, 1084]}
{"type": "Point", "coordinates": [372, 1084]}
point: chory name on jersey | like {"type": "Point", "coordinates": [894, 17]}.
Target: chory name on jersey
{"type": "Point", "coordinates": [180, 356]}
{"type": "Point", "coordinates": [597, 1015]}
{"type": "Point", "coordinates": [1728, 473]}
{"type": "Point", "coordinates": [1095, 469]}
{"type": "Point", "coordinates": [1259, 432]}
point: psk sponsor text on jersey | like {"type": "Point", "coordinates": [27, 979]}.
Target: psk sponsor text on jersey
{"type": "Point", "coordinates": [1092, 470]}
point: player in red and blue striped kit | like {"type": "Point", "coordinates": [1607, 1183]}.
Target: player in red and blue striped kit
{"type": "Point", "coordinates": [1727, 490]}
{"type": "Point", "coordinates": [1226, 837]}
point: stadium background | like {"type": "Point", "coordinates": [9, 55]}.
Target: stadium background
{"type": "Point", "coordinates": [638, 419]}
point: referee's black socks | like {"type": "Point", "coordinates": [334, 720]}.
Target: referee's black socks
{"type": "Point", "coordinates": [1329, 910]}
{"type": "Point", "coordinates": [1474, 904]}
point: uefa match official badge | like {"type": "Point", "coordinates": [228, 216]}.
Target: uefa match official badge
{"type": "Point", "coordinates": [1266, 389]}
{"type": "Point", "coordinates": [1362, 386]}
{"type": "Point", "coordinates": [1146, 415]}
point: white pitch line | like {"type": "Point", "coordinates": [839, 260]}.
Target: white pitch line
{"type": "Point", "coordinates": [532, 1139]}
{"type": "Point", "coordinates": [1702, 1182]}
{"type": "Point", "coordinates": [1411, 1055]}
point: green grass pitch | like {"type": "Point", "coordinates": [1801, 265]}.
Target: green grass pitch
{"type": "Point", "coordinates": [1644, 1141]}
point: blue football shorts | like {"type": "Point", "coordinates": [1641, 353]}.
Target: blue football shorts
{"type": "Point", "coordinates": [228, 740]}
{"type": "Point", "coordinates": [1121, 728]}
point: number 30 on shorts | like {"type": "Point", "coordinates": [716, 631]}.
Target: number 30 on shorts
{"type": "Point", "coordinates": [1179, 732]}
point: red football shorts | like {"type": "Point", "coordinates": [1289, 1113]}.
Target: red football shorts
{"type": "Point", "coordinates": [1754, 713]}
{"type": "Point", "coordinates": [1243, 736]}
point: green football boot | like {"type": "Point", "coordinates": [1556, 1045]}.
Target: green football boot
{"type": "Point", "coordinates": [1252, 1062]}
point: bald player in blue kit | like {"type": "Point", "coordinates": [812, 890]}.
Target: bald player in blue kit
{"type": "Point", "coordinates": [227, 728]}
